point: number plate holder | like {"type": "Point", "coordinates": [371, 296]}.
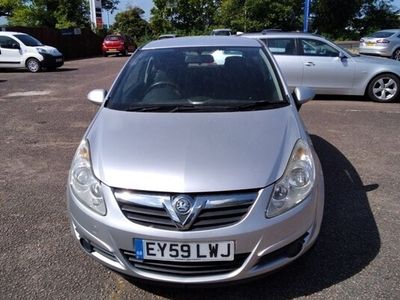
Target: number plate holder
{"type": "Point", "coordinates": [190, 252]}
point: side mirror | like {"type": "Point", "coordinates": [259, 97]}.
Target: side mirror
{"type": "Point", "coordinates": [342, 55]}
{"type": "Point", "coordinates": [302, 95]}
{"type": "Point", "coordinates": [97, 96]}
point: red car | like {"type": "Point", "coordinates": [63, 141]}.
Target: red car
{"type": "Point", "coordinates": [118, 44]}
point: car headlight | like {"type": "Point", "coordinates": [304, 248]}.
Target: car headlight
{"type": "Point", "coordinates": [296, 183]}
{"type": "Point", "coordinates": [41, 50]}
{"type": "Point", "coordinates": [85, 186]}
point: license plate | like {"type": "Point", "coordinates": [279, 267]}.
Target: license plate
{"type": "Point", "coordinates": [370, 43]}
{"type": "Point", "coordinates": [113, 50]}
{"type": "Point", "coordinates": [58, 59]}
{"type": "Point", "coordinates": [170, 251]}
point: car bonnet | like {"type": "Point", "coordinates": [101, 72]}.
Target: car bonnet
{"type": "Point", "coordinates": [192, 152]}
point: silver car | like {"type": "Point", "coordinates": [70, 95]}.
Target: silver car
{"type": "Point", "coordinates": [310, 60]}
{"type": "Point", "coordinates": [196, 171]}
{"type": "Point", "coordinates": [383, 43]}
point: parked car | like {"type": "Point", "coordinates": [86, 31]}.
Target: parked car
{"type": "Point", "coordinates": [224, 31]}
{"type": "Point", "coordinates": [118, 44]}
{"type": "Point", "coordinates": [313, 61]}
{"type": "Point", "coordinates": [167, 36]}
{"type": "Point", "coordinates": [384, 43]}
{"type": "Point", "coordinates": [20, 50]}
{"type": "Point", "coordinates": [197, 172]}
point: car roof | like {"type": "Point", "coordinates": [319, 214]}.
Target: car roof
{"type": "Point", "coordinates": [8, 33]}
{"type": "Point", "coordinates": [394, 29]}
{"type": "Point", "coordinates": [202, 41]}
{"type": "Point", "coordinates": [222, 29]}
{"type": "Point", "coordinates": [294, 34]}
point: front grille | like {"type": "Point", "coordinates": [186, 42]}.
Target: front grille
{"type": "Point", "coordinates": [209, 218]}
{"type": "Point", "coordinates": [185, 268]}
{"type": "Point", "coordinates": [147, 216]}
{"type": "Point", "coordinates": [210, 210]}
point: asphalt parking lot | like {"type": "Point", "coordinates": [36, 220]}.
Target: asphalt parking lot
{"type": "Point", "coordinates": [42, 119]}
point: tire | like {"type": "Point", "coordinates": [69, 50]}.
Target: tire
{"type": "Point", "coordinates": [105, 54]}
{"type": "Point", "coordinates": [125, 53]}
{"type": "Point", "coordinates": [396, 54]}
{"type": "Point", "coordinates": [384, 88]}
{"type": "Point", "coordinates": [33, 65]}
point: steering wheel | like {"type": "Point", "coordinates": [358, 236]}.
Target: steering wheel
{"type": "Point", "coordinates": [165, 83]}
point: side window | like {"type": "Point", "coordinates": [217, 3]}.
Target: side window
{"type": "Point", "coordinates": [311, 47]}
{"type": "Point", "coordinates": [8, 43]}
{"type": "Point", "coordinates": [282, 46]}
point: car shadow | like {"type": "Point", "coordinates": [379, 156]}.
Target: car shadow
{"type": "Point", "coordinates": [16, 71]}
{"type": "Point", "coordinates": [349, 240]}
{"type": "Point", "coordinates": [62, 69]}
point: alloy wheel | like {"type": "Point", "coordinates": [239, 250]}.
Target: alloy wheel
{"type": "Point", "coordinates": [385, 88]}
{"type": "Point", "coordinates": [33, 65]}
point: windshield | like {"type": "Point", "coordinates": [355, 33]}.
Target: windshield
{"type": "Point", "coordinates": [113, 38]}
{"type": "Point", "coordinates": [382, 34]}
{"type": "Point", "coordinates": [197, 79]}
{"type": "Point", "coordinates": [28, 40]}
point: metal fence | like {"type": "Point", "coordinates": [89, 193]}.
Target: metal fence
{"type": "Point", "coordinates": [353, 46]}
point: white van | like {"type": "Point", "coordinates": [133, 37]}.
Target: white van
{"type": "Point", "coordinates": [20, 50]}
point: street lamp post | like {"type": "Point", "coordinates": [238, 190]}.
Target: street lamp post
{"type": "Point", "coordinates": [306, 14]}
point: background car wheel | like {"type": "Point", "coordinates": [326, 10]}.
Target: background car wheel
{"type": "Point", "coordinates": [125, 53]}
{"type": "Point", "coordinates": [33, 65]}
{"type": "Point", "coordinates": [384, 88]}
{"type": "Point", "coordinates": [396, 54]}
{"type": "Point", "coordinates": [105, 54]}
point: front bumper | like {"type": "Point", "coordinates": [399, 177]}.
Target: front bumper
{"type": "Point", "coordinates": [261, 245]}
{"type": "Point", "coordinates": [50, 61]}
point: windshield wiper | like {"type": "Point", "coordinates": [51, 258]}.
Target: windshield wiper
{"type": "Point", "coordinates": [150, 108]}
{"type": "Point", "coordinates": [261, 104]}
{"type": "Point", "coordinates": [179, 108]}
{"type": "Point", "coordinates": [202, 108]}
{"type": "Point", "coordinates": [205, 108]}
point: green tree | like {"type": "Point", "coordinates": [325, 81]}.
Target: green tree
{"type": "Point", "coordinates": [184, 15]}
{"type": "Point", "coordinates": [7, 7]}
{"type": "Point", "coordinates": [52, 13]}
{"type": "Point", "coordinates": [131, 23]}
{"type": "Point", "coordinates": [255, 15]}
{"type": "Point", "coordinates": [376, 15]}
{"type": "Point", "coordinates": [109, 5]}
{"type": "Point", "coordinates": [333, 17]}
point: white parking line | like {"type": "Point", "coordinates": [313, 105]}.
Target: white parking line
{"type": "Point", "coordinates": [29, 94]}
{"type": "Point", "coordinates": [380, 111]}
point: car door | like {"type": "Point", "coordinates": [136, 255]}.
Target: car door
{"type": "Point", "coordinates": [285, 51]}
{"type": "Point", "coordinates": [10, 53]}
{"type": "Point", "coordinates": [324, 70]}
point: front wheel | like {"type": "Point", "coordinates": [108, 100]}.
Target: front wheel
{"type": "Point", "coordinates": [384, 88]}
{"type": "Point", "coordinates": [33, 65]}
{"type": "Point", "coordinates": [396, 54]}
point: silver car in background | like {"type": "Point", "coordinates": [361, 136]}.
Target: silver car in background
{"type": "Point", "coordinates": [310, 60]}
{"type": "Point", "coordinates": [382, 43]}
{"type": "Point", "coordinates": [197, 171]}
